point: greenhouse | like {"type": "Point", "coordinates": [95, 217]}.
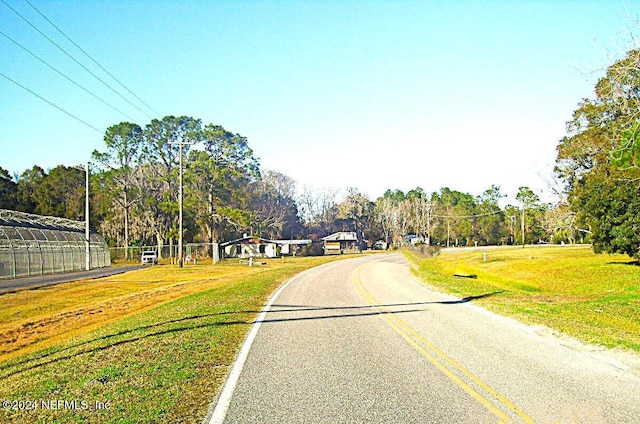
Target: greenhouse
{"type": "Point", "coordinates": [33, 245]}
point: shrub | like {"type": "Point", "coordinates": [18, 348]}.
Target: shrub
{"type": "Point", "coordinates": [427, 251]}
{"type": "Point", "coordinates": [313, 249]}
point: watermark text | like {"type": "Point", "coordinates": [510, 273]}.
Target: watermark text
{"type": "Point", "coordinates": [55, 405]}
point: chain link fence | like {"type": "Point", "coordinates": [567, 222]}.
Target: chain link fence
{"type": "Point", "coordinates": [194, 253]}
{"type": "Point", "coordinates": [132, 254]}
{"type": "Point", "coordinates": [199, 252]}
{"type": "Point", "coordinates": [32, 245]}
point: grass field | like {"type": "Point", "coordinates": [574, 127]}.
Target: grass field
{"type": "Point", "coordinates": [155, 345]}
{"type": "Point", "coordinates": [594, 298]}
{"type": "Point", "coordinates": [148, 346]}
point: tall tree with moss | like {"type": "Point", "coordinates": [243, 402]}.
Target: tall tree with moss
{"type": "Point", "coordinates": [119, 162]}
{"type": "Point", "coordinates": [159, 179]}
{"type": "Point", "coordinates": [217, 180]}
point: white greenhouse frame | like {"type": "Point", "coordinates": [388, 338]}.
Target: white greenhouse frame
{"type": "Point", "coordinates": [32, 245]}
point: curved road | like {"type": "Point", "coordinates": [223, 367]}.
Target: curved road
{"type": "Point", "coordinates": [361, 341]}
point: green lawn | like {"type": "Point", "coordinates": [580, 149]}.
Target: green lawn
{"type": "Point", "coordinates": [595, 298]}
{"type": "Point", "coordinates": [163, 364]}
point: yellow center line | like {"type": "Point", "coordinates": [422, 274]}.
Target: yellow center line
{"type": "Point", "coordinates": [417, 340]}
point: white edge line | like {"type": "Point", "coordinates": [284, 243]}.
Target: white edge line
{"type": "Point", "coordinates": [224, 400]}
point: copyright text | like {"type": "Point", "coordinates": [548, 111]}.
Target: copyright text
{"type": "Point", "coordinates": [54, 405]}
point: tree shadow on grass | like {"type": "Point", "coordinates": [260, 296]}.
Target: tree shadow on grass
{"type": "Point", "coordinates": [632, 263]}
{"type": "Point", "coordinates": [470, 298]}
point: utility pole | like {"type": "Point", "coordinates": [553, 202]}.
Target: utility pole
{"type": "Point", "coordinates": [180, 258]}
{"type": "Point", "coordinates": [512, 219]}
{"type": "Point", "coordinates": [527, 197]}
{"type": "Point", "coordinates": [87, 244]}
{"type": "Point", "coordinates": [522, 224]}
{"type": "Point", "coordinates": [180, 233]}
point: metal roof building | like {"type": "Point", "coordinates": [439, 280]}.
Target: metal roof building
{"type": "Point", "coordinates": [341, 242]}
{"type": "Point", "coordinates": [37, 245]}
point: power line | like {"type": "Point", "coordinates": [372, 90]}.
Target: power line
{"type": "Point", "coordinates": [91, 58]}
{"type": "Point", "coordinates": [52, 104]}
{"type": "Point", "coordinates": [65, 76]}
{"type": "Point", "coordinates": [75, 60]}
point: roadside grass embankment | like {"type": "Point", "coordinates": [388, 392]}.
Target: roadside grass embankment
{"type": "Point", "coordinates": [593, 298]}
{"type": "Point", "coordinates": [152, 345]}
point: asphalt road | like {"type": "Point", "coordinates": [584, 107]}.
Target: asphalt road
{"type": "Point", "coordinates": [360, 341]}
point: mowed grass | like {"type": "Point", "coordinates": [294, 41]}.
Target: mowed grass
{"type": "Point", "coordinates": [33, 319]}
{"type": "Point", "coordinates": [148, 346]}
{"type": "Point", "coordinates": [594, 298]}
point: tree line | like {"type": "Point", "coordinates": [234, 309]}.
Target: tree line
{"type": "Point", "coordinates": [135, 188]}
{"type": "Point", "coordinates": [135, 203]}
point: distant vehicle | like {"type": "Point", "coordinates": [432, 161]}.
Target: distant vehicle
{"type": "Point", "coordinates": [149, 257]}
{"type": "Point", "coordinates": [379, 245]}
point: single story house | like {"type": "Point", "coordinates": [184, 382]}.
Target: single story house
{"type": "Point", "coordinates": [249, 247]}
{"type": "Point", "coordinates": [340, 242]}
{"type": "Point", "coordinates": [256, 247]}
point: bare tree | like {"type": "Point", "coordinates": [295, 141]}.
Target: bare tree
{"type": "Point", "coordinates": [273, 203]}
{"type": "Point", "coordinates": [403, 218]}
{"type": "Point", "coordinates": [423, 218]}
{"type": "Point", "coordinates": [385, 212]}
{"type": "Point", "coordinates": [560, 221]}
{"type": "Point", "coordinates": [318, 207]}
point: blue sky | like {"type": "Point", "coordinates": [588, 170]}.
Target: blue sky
{"type": "Point", "coordinates": [369, 94]}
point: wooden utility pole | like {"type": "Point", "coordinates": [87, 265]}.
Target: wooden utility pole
{"type": "Point", "coordinates": [86, 221]}
{"type": "Point", "coordinates": [522, 226]}
{"type": "Point", "coordinates": [180, 257]}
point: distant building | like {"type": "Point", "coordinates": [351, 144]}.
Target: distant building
{"type": "Point", "coordinates": [341, 242]}
{"type": "Point", "coordinates": [291, 247]}
{"type": "Point", "coordinates": [256, 247]}
{"type": "Point", "coordinates": [249, 247]}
